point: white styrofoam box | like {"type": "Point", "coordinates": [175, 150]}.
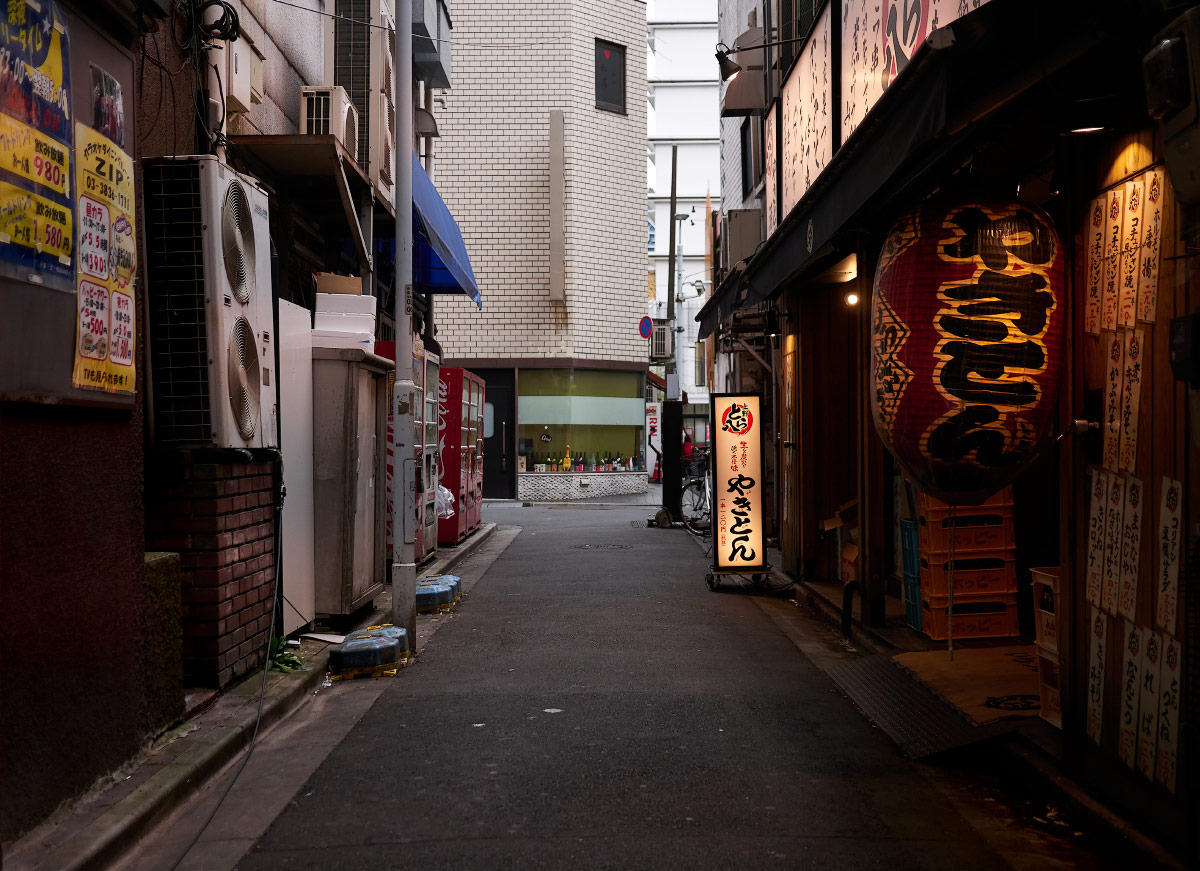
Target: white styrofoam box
{"type": "Point", "coordinates": [345, 303]}
{"type": "Point", "coordinates": [337, 339]}
{"type": "Point", "coordinates": [337, 322]}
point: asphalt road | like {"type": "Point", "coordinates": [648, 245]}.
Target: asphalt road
{"type": "Point", "coordinates": [592, 705]}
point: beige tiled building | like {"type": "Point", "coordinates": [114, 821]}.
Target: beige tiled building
{"type": "Point", "coordinates": [542, 161]}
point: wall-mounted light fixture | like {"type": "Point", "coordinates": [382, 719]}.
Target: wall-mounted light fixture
{"type": "Point", "coordinates": [730, 68]}
{"type": "Point", "coordinates": [852, 298]}
{"type": "Point", "coordinates": [1088, 116]}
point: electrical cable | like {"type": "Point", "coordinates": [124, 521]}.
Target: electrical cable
{"type": "Point", "coordinates": [227, 27]}
{"type": "Point", "coordinates": [262, 692]}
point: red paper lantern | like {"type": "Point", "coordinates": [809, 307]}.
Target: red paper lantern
{"type": "Point", "coordinates": [967, 329]}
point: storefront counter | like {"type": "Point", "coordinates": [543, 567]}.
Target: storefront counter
{"type": "Point", "coordinates": [559, 486]}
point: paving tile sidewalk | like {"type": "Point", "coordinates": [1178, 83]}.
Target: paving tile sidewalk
{"type": "Point", "coordinates": [93, 830]}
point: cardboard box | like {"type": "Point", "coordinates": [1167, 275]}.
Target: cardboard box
{"type": "Point", "coordinates": [331, 282]}
{"type": "Point", "coordinates": [843, 528]}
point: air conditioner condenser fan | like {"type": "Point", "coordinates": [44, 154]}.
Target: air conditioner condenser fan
{"type": "Point", "coordinates": [244, 378]}
{"type": "Point", "coordinates": [237, 242]}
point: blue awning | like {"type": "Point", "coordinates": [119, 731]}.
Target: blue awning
{"type": "Point", "coordinates": [440, 262]}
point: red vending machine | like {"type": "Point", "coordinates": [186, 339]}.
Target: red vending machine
{"type": "Point", "coordinates": [475, 495]}
{"type": "Point", "coordinates": [460, 422]}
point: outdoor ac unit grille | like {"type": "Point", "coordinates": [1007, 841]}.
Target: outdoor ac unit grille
{"type": "Point", "coordinates": [318, 107]}
{"type": "Point", "coordinates": [660, 341]}
{"type": "Point", "coordinates": [352, 65]}
{"type": "Point", "coordinates": [178, 332]}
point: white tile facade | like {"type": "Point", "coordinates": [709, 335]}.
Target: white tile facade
{"type": "Point", "coordinates": [515, 61]}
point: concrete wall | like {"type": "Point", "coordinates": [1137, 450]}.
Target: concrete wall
{"type": "Point", "coordinates": [517, 62]}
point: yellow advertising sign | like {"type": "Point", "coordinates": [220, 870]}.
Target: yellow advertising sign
{"type": "Point", "coordinates": [33, 155]}
{"type": "Point", "coordinates": [34, 222]}
{"type": "Point", "coordinates": [107, 264]}
{"type": "Point", "coordinates": [737, 483]}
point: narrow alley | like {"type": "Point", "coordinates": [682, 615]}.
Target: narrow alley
{"type": "Point", "coordinates": [591, 704]}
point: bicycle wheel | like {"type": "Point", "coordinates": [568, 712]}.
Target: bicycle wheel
{"type": "Point", "coordinates": [695, 506]}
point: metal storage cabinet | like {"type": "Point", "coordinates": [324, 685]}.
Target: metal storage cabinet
{"type": "Point", "coordinates": [349, 438]}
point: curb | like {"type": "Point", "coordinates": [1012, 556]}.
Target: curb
{"type": "Point", "coordinates": [108, 836]}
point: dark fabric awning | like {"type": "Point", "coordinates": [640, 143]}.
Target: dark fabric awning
{"type": "Point", "coordinates": [440, 261]}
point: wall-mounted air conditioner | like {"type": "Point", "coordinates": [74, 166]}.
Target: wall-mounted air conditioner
{"type": "Point", "coordinates": [383, 120]}
{"type": "Point", "coordinates": [325, 110]}
{"type": "Point", "coordinates": [211, 334]}
{"type": "Point", "coordinates": [661, 346]}
{"type": "Point", "coordinates": [360, 56]}
{"type": "Point", "coordinates": [743, 234]}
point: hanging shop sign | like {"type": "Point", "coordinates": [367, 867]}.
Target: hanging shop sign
{"type": "Point", "coordinates": [1097, 656]}
{"type": "Point", "coordinates": [1148, 702]}
{"type": "Point", "coordinates": [967, 329]}
{"type": "Point", "coordinates": [36, 207]}
{"type": "Point", "coordinates": [737, 439]}
{"type": "Point", "coordinates": [107, 261]}
{"type": "Point", "coordinates": [1166, 610]}
{"type": "Point", "coordinates": [1170, 690]}
{"type": "Point", "coordinates": [806, 134]}
{"type": "Point", "coordinates": [879, 38]}
{"type": "Point", "coordinates": [1131, 684]}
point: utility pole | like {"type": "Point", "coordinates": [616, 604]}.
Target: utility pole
{"type": "Point", "coordinates": [404, 567]}
{"type": "Point", "coordinates": [672, 418]}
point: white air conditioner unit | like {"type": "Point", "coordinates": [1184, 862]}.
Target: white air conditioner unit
{"type": "Point", "coordinates": [661, 346]}
{"type": "Point", "coordinates": [383, 120]}
{"type": "Point", "coordinates": [325, 110]}
{"type": "Point", "coordinates": [361, 57]}
{"type": "Point", "coordinates": [211, 334]}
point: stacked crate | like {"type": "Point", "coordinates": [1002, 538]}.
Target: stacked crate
{"type": "Point", "coordinates": [985, 576]}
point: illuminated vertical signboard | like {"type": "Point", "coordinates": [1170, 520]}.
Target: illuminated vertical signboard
{"type": "Point", "coordinates": [736, 459]}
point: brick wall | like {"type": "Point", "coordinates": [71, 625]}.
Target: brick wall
{"type": "Point", "coordinates": [220, 518]}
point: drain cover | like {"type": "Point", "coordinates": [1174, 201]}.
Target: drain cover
{"type": "Point", "coordinates": [601, 546]}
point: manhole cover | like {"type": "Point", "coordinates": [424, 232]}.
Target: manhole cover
{"type": "Point", "coordinates": [601, 546]}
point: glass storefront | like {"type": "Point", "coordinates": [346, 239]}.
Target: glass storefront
{"type": "Point", "coordinates": [581, 420]}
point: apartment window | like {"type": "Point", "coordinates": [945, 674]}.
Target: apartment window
{"type": "Point", "coordinates": [701, 366]}
{"type": "Point", "coordinates": [610, 76]}
{"type": "Point", "coordinates": [796, 18]}
{"type": "Point", "coordinates": [752, 156]}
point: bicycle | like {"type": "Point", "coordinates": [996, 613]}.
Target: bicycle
{"type": "Point", "coordinates": [696, 496]}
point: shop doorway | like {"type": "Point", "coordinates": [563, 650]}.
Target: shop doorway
{"type": "Point", "coordinates": [499, 434]}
